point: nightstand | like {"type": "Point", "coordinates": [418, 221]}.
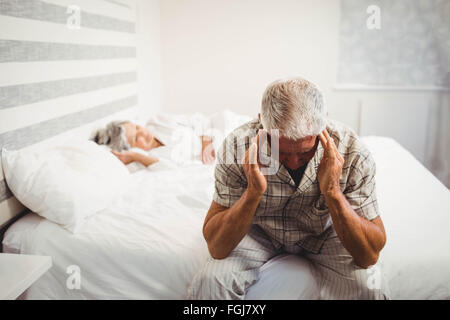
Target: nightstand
{"type": "Point", "coordinates": [19, 271]}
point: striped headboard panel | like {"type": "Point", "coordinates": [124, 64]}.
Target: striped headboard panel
{"type": "Point", "coordinates": [65, 65]}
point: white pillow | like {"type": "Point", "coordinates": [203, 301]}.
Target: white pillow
{"type": "Point", "coordinates": [65, 184]}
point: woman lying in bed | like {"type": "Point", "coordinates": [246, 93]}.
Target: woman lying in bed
{"type": "Point", "coordinates": [160, 138]}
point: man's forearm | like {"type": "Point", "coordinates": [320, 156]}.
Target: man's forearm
{"type": "Point", "coordinates": [362, 238]}
{"type": "Point", "coordinates": [225, 230]}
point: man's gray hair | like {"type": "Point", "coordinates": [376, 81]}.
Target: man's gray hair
{"type": "Point", "coordinates": [294, 106]}
{"type": "Point", "coordinates": [113, 136]}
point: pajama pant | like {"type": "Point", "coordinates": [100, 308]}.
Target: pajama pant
{"type": "Point", "coordinates": [337, 276]}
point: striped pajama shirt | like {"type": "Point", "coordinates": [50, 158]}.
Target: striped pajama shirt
{"type": "Point", "coordinates": [296, 220]}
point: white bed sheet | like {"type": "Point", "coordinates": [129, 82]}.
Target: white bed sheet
{"type": "Point", "coordinates": [149, 244]}
{"type": "Point", "coordinates": [415, 208]}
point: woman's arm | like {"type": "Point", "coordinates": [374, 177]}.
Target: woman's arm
{"type": "Point", "coordinates": [129, 156]}
{"type": "Point", "coordinates": [145, 160]}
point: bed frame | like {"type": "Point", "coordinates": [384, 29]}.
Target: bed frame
{"type": "Point", "coordinates": [9, 222]}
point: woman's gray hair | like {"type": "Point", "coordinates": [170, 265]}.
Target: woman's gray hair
{"type": "Point", "coordinates": [113, 136]}
{"type": "Point", "coordinates": [294, 106]}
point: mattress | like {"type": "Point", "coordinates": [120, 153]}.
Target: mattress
{"type": "Point", "coordinates": [148, 244]}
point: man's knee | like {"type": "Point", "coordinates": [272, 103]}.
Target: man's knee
{"type": "Point", "coordinates": [204, 278]}
{"type": "Point", "coordinates": [346, 280]}
{"type": "Point", "coordinates": [221, 279]}
{"type": "Point", "coordinates": [214, 269]}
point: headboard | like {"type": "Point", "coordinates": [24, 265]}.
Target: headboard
{"type": "Point", "coordinates": [66, 66]}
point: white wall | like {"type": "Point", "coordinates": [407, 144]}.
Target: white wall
{"type": "Point", "coordinates": [220, 54]}
{"type": "Point", "coordinates": [149, 57]}
{"type": "Point", "coordinates": [402, 115]}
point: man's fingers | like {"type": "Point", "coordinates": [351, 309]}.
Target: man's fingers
{"type": "Point", "coordinates": [262, 134]}
{"type": "Point", "coordinates": [330, 140]}
{"type": "Point", "coordinates": [323, 140]}
{"type": "Point", "coordinates": [334, 147]}
{"type": "Point", "coordinates": [331, 147]}
{"type": "Point", "coordinates": [253, 154]}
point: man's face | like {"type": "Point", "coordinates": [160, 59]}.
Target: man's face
{"type": "Point", "coordinates": [296, 153]}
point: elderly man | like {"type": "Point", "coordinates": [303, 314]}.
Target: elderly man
{"type": "Point", "coordinates": [319, 202]}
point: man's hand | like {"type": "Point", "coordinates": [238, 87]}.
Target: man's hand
{"type": "Point", "coordinates": [330, 167]}
{"type": "Point", "coordinates": [225, 227]}
{"type": "Point", "coordinates": [256, 181]}
{"type": "Point", "coordinates": [362, 238]}
{"type": "Point", "coordinates": [125, 156]}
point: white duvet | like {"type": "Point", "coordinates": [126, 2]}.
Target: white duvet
{"type": "Point", "coordinates": [149, 244]}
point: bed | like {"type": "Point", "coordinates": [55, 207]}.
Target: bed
{"type": "Point", "coordinates": [148, 244]}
